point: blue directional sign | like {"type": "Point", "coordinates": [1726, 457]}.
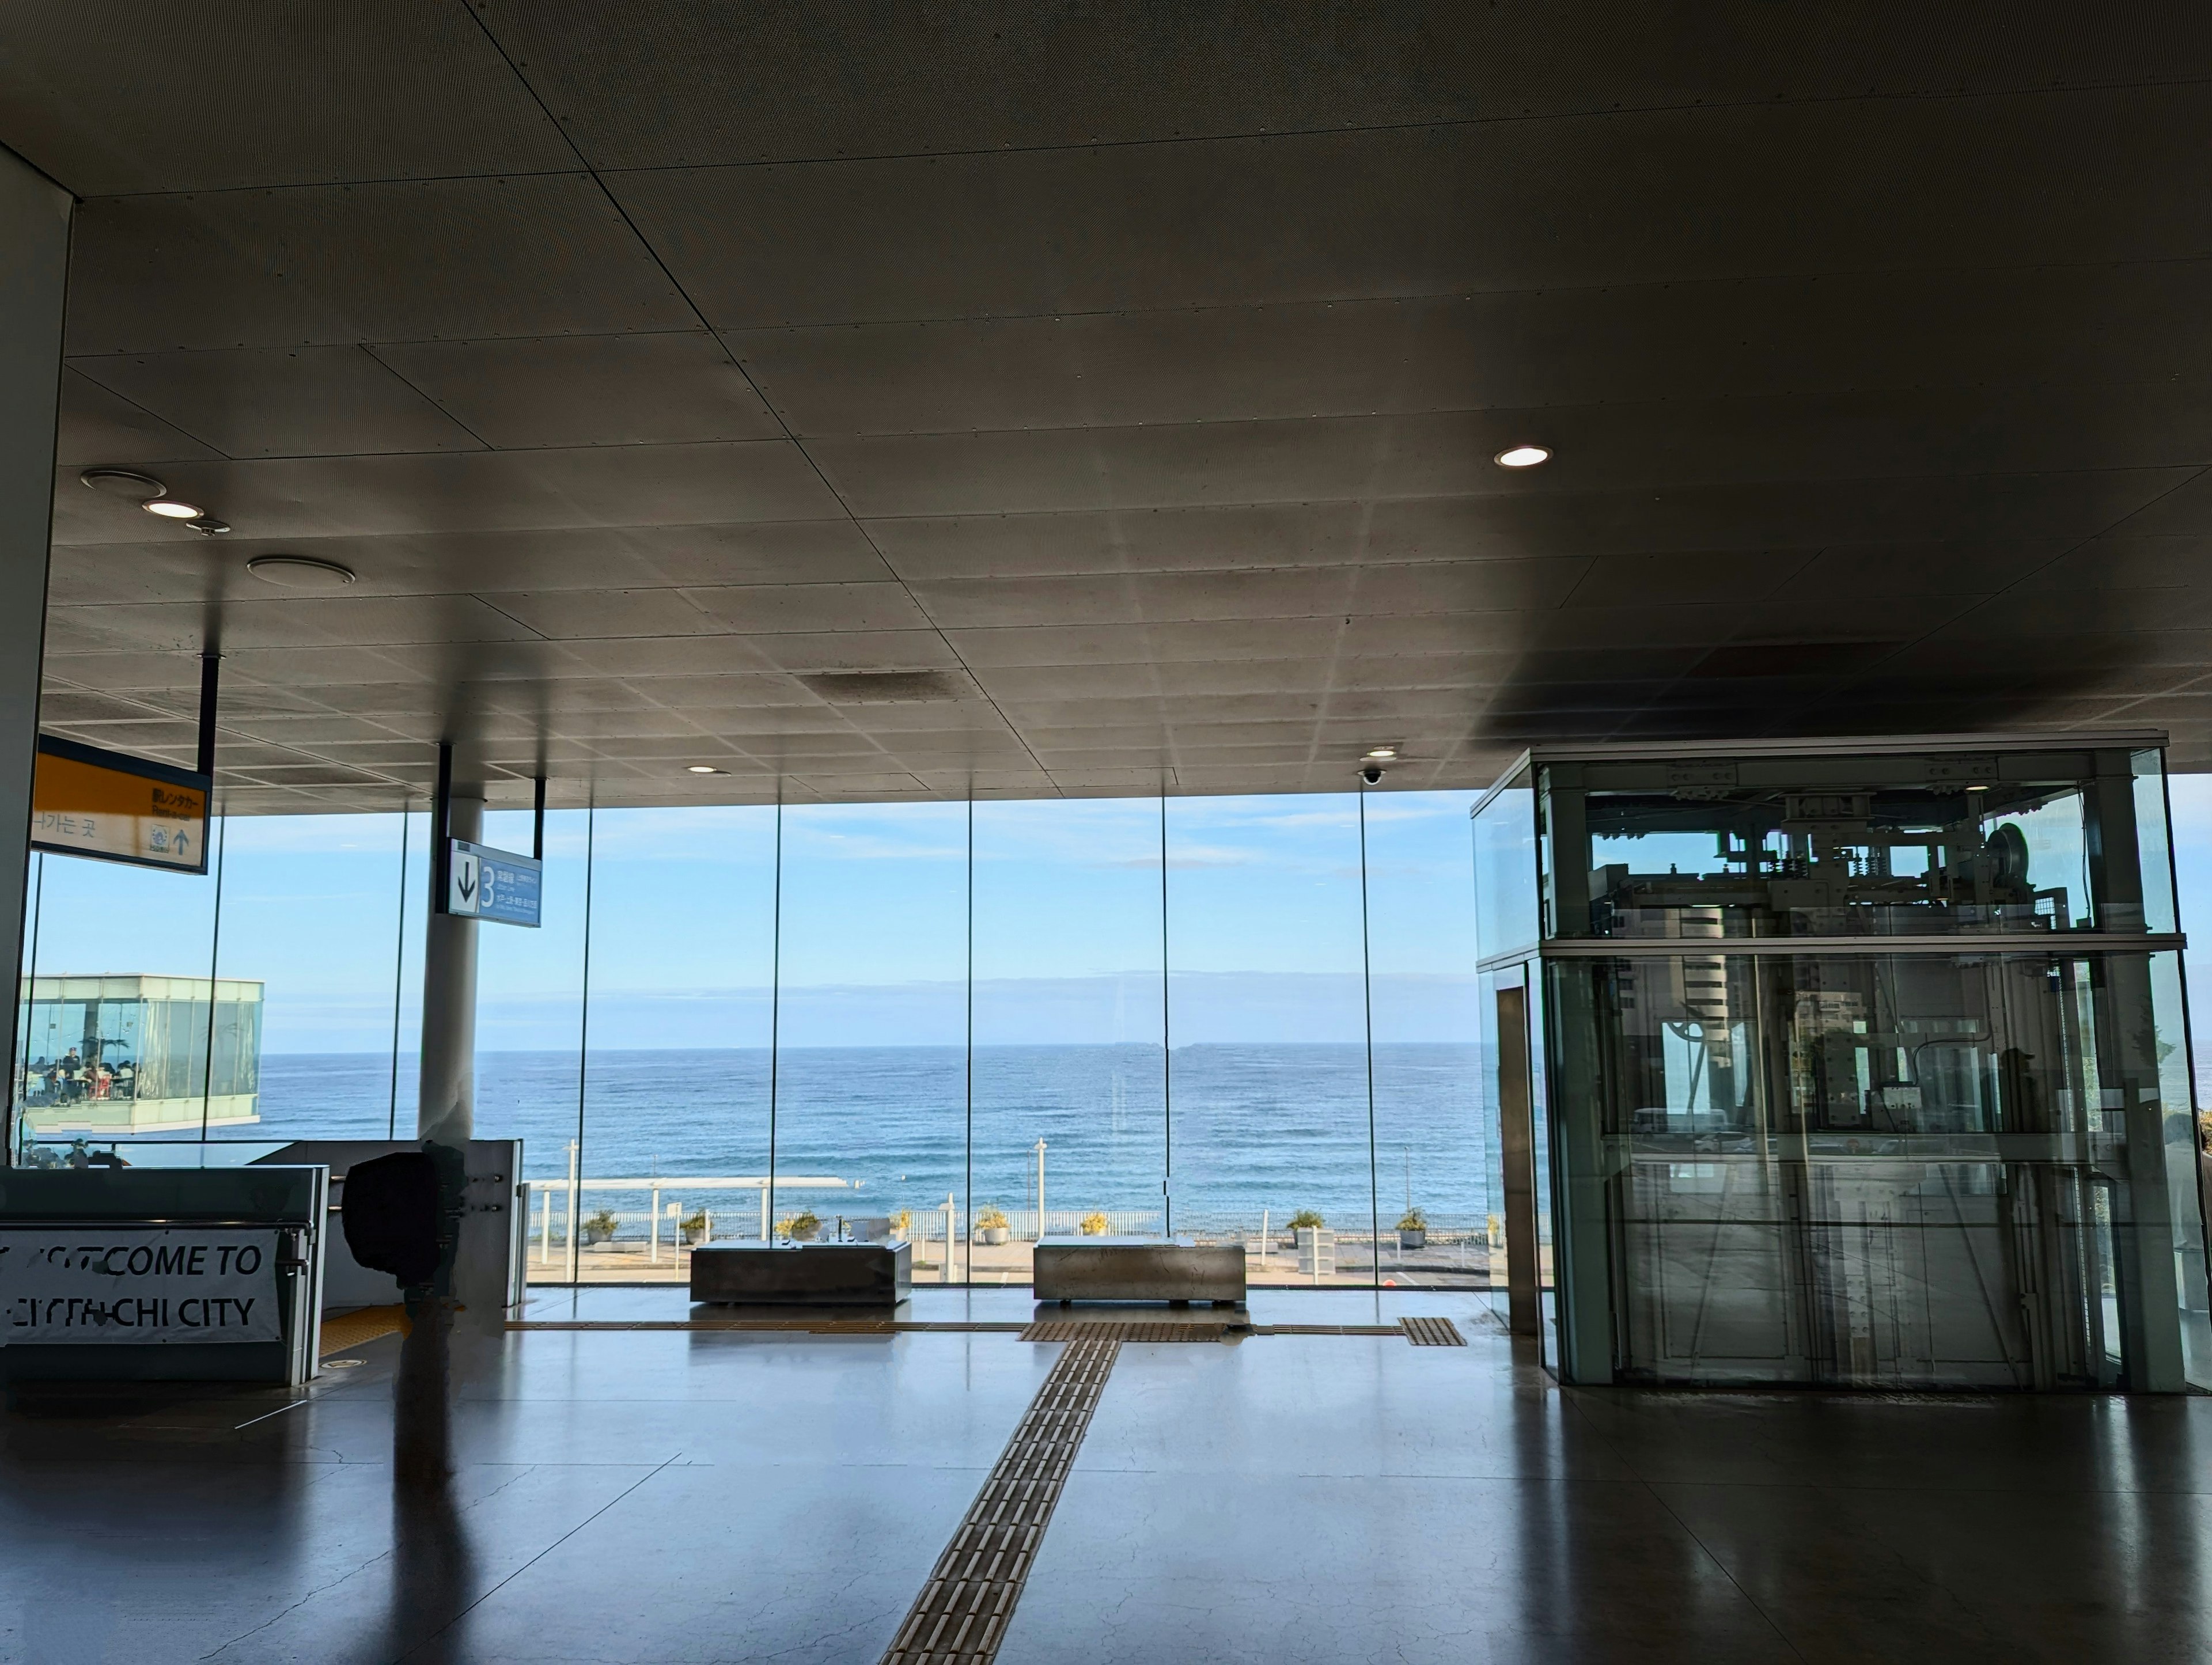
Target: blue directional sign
{"type": "Point", "coordinates": [496, 886]}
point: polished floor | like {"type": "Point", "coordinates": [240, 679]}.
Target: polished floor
{"type": "Point", "coordinates": [693, 1497]}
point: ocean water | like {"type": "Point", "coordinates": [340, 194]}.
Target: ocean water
{"type": "Point", "coordinates": [1261, 1128]}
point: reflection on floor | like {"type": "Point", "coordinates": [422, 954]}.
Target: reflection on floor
{"type": "Point", "coordinates": [718, 1495]}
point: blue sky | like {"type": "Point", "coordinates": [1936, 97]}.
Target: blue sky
{"type": "Point", "coordinates": [1264, 923]}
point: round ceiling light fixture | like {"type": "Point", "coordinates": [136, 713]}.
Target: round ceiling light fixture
{"type": "Point", "coordinates": [703, 768]}
{"type": "Point", "coordinates": [172, 508]}
{"type": "Point", "coordinates": [298, 572]}
{"type": "Point", "coordinates": [124, 482]}
{"type": "Point", "coordinates": [1522, 456]}
{"type": "Point", "coordinates": [1382, 754]}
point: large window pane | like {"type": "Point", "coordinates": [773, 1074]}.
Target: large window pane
{"type": "Point", "coordinates": [118, 1025]}
{"type": "Point", "coordinates": [871, 1097]}
{"type": "Point", "coordinates": [1268, 1088]}
{"type": "Point", "coordinates": [1432, 1160]}
{"type": "Point", "coordinates": [676, 1074]}
{"type": "Point", "coordinates": [530, 1015]}
{"type": "Point", "coordinates": [1067, 1026]}
{"type": "Point", "coordinates": [311, 922]}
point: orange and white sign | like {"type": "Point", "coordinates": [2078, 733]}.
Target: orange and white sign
{"type": "Point", "coordinates": [85, 801]}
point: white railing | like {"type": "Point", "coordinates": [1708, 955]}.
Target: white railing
{"type": "Point", "coordinates": [667, 1196]}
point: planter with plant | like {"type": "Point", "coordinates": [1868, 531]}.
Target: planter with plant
{"type": "Point", "coordinates": [1305, 1220]}
{"type": "Point", "coordinates": [694, 1228]}
{"type": "Point", "coordinates": [599, 1228]}
{"type": "Point", "coordinates": [1096, 1224]}
{"type": "Point", "coordinates": [1413, 1230]}
{"type": "Point", "coordinates": [802, 1227]}
{"type": "Point", "coordinates": [991, 1226]}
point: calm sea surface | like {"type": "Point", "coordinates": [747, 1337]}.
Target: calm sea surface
{"type": "Point", "coordinates": [1268, 1127]}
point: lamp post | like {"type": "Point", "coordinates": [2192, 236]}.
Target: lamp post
{"type": "Point", "coordinates": [1040, 1157]}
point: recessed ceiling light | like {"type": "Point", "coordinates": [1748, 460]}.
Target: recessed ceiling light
{"type": "Point", "coordinates": [298, 572]}
{"type": "Point", "coordinates": [1383, 754]}
{"type": "Point", "coordinates": [1522, 456]}
{"type": "Point", "coordinates": [123, 483]}
{"type": "Point", "coordinates": [172, 508]}
{"type": "Point", "coordinates": [703, 768]}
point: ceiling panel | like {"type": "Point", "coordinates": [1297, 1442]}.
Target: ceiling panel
{"type": "Point", "coordinates": [97, 426]}
{"type": "Point", "coordinates": [588, 390]}
{"type": "Point", "coordinates": [985, 77]}
{"type": "Point", "coordinates": [113, 97]}
{"type": "Point", "coordinates": [1596, 448]}
{"type": "Point", "coordinates": [474, 492]}
{"type": "Point", "coordinates": [524, 255]}
{"type": "Point", "coordinates": [1790, 335]}
{"type": "Point", "coordinates": [1433, 210]}
{"type": "Point", "coordinates": [281, 401]}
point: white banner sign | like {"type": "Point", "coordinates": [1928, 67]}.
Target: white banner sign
{"type": "Point", "coordinates": [137, 1286]}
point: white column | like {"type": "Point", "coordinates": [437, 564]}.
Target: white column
{"type": "Point", "coordinates": [447, 1111]}
{"type": "Point", "coordinates": [35, 229]}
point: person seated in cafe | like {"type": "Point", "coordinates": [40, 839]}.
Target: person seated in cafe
{"type": "Point", "coordinates": [72, 1074]}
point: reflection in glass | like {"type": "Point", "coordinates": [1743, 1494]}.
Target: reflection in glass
{"type": "Point", "coordinates": [1068, 1066]}
{"type": "Point", "coordinates": [120, 965]}
{"type": "Point", "coordinates": [1845, 845]}
{"type": "Point", "coordinates": [1881, 1171]}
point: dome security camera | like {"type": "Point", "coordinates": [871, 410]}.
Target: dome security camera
{"type": "Point", "coordinates": [1372, 773]}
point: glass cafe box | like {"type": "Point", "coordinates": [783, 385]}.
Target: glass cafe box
{"type": "Point", "coordinates": [1854, 1064]}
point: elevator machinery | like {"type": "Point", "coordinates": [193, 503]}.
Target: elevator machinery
{"type": "Point", "coordinates": [1856, 1063]}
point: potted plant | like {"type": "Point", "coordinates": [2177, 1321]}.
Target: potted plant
{"type": "Point", "coordinates": [1096, 1224]}
{"type": "Point", "coordinates": [599, 1228]}
{"type": "Point", "coordinates": [991, 1226]}
{"type": "Point", "coordinates": [1315, 1243]}
{"type": "Point", "coordinates": [694, 1227]}
{"type": "Point", "coordinates": [1413, 1230]}
{"type": "Point", "coordinates": [802, 1227]}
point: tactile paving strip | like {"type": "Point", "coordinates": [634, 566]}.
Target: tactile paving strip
{"type": "Point", "coordinates": [1079, 1329]}
{"type": "Point", "coordinates": [1432, 1331]}
{"type": "Point", "coordinates": [961, 1616]}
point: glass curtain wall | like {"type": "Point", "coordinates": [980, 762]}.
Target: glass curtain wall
{"type": "Point", "coordinates": [314, 953]}
{"type": "Point", "coordinates": [1070, 1078]}
{"type": "Point", "coordinates": [529, 1019]}
{"type": "Point", "coordinates": [1271, 1136]}
{"type": "Point", "coordinates": [676, 1074]}
{"type": "Point", "coordinates": [1432, 1160]}
{"type": "Point", "coordinates": [871, 1076]}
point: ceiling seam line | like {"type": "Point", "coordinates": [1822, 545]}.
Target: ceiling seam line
{"type": "Point", "coordinates": [377, 358]}
{"type": "Point", "coordinates": [1241, 137]}
{"type": "Point", "coordinates": [652, 254]}
{"type": "Point", "coordinates": [1525, 118]}
{"type": "Point", "coordinates": [1462, 291]}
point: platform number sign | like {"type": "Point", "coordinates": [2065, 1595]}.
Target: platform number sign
{"type": "Point", "coordinates": [497, 886]}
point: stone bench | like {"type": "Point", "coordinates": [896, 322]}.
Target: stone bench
{"type": "Point", "coordinates": [1173, 1269]}
{"type": "Point", "coordinates": [803, 1274]}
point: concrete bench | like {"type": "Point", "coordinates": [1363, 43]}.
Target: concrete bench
{"type": "Point", "coordinates": [1174, 1270]}
{"type": "Point", "coordinates": [803, 1274]}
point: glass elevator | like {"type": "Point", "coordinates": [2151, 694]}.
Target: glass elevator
{"type": "Point", "coordinates": [1858, 1065]}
